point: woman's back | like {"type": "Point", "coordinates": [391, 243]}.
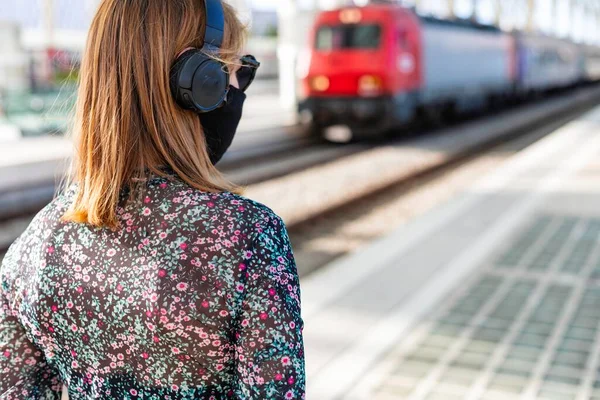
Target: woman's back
{"type": "Point", "coordinates": [195, 295]}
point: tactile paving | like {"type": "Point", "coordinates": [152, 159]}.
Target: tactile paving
{"type": "Point", "coordinates": [527, 327]}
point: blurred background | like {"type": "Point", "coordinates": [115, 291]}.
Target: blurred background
{"type": "Point", "coordinates": [434, 161]}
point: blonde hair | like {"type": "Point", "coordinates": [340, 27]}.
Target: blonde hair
{"type": "Point", "coordinates": [126, 121]}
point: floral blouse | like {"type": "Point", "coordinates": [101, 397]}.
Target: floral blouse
{"type": "Point", "coordinates": [196, 296]}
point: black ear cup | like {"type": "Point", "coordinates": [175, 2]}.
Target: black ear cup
{"type": "Point", "coordinates": [199, 82]}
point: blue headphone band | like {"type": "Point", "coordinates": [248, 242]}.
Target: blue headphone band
{"type": "Point", "coordinates": [215, 23]}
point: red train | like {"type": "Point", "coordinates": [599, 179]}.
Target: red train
{"type": "Point", "coordinates": [374, 69]}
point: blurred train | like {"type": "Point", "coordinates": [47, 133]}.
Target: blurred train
{"type": "Point", "coordinates": [377, 68]}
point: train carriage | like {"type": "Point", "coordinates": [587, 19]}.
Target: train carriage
{"type": "Point", "coordinates": [546, 63]}
{"type": "Point", "coordinates": [591, 63]}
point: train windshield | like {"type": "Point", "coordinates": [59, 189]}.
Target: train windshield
{"type": "Point", "coordinates": [348, 37]}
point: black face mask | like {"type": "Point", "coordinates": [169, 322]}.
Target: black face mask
{"type": "Point", "coordinates": [220, 125]}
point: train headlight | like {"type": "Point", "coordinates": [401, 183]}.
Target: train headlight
{"type": "Point", "coordinates": [350, 16]}
{"type": "Point", "coordinates": [370, 85]}
{"type": "Point", "coordinates": [320, 83]}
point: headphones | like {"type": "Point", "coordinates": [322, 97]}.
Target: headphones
{"type": "Point", "coordinates": [199, 82]}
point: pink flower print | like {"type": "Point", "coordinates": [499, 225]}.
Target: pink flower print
{"type": "Point", "coordinates": [182, 286]}
{"type": "Point", "coordinates": [219, 367]}
{"type": "Point", "coordinates": [133, 392]}
{"type": "Point", "coordinates": [272, 292]}
{"type": "Point", "coordinates": [120, 356]}
{"type": "Point", "coordinates": [292, 324]}
{"type": "Point", "coordinates": [291, 380]}
{"type": "Point", "coordinates": [51, 329]}
{"type": "Point", "coordinates": [163, 185]}
{"type": "Point", "coordinates": [278, 377]}
{"type": "Point", "coordinates": [223, 313]}
{"type": "Point", "coordinates": [175, 387]}
{"type": "Point", "coordinates": [74, 364]}
{"type": "Point", "coordinates": [74, 328]}
{"type": "Point", "coordinates": [263, 315]}
{"type": "Point", "coordinates": [155, 339]}
{"type": "Point", "coordinates": [85, 338]}
{"type": "Point", "coordinates": [54, 308]}
{"type": "Point", "coordinates": [111, 252]}
{"type": "Point", "coordinates": [153, 297]}
{"type": "Point", "coordinates": [146, 211]}
{"type": "Point", "coordinates": [162, 273]}
{"type": "Point", "coordinates": [162, 235]}
{"type": "Point", "coordinates": [240, 288]}
{"type": "Point", "coordinates": [50, 249]}
{"type": "Point", "coordinates": [245, 323]}
{"type": "Point", "coordinates": [285, 360]}
{"type": "Point", "coordinates": [145, 356]}
{"type": "Point", "coordinates": [289, 394]}
{"type": "Point", "coordinates": [130, 299]}
{"type": "Point", "coordinates": [242, 267]}
{"type": "Point", "coordinates": [147, 200]}
{"type": "Point", "coordinates": [205, 304]}
{"type": "Point", "coordinates": [183, 246]}
{"type": "Point", "coordinates": [175, 350]}
{"type": "Point", "coordinates": [6, 353]}
{"type": "Point", "coordinates": [210, 204]}
{"type": "Point", "coordinates": [119, 287]}
{"type": "Point", "coordinates": [247, 254]}
{"type": "Point", "coordinates": [241, 208]}
{"type": "Point", "coordinates": [79, 289]}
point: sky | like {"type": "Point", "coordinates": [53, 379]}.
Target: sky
{"type": "Point", "coordinates": [73, 14]}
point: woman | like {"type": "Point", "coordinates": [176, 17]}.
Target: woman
{"type": "Point", "coordinates": [149, 277]}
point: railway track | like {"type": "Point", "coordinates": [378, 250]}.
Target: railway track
{"type": "Point", "coordinates": [285, 159]}
{"type": "Point", "coordinates": [346, 229]}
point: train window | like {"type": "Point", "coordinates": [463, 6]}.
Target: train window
{"type": "Point", "coordinates": [348, 37]}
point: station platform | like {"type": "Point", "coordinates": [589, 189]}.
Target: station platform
{"type": "Point", "coordinates": [494, 295]}
{"type": "Point", "coordinates": [39, 162]}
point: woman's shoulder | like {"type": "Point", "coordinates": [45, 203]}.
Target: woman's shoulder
{"type": "Point", "coordinates": [241, 207]}
{"type": "Point", "coordinates": [226, 207]}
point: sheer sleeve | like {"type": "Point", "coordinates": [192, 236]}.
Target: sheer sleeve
{"type": "Point", "coordinates": [23, 370]}
{"type": "Point", "coordinates": [269, 345]}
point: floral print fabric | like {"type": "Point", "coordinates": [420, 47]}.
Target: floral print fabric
{"type": "Point", "coordinates": [195, 297]}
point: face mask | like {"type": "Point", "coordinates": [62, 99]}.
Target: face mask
{"type": "Point", "coordinates": [221, 124]}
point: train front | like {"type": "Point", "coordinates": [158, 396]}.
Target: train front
{"type": "Point", "coordinates": [349, 88]}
